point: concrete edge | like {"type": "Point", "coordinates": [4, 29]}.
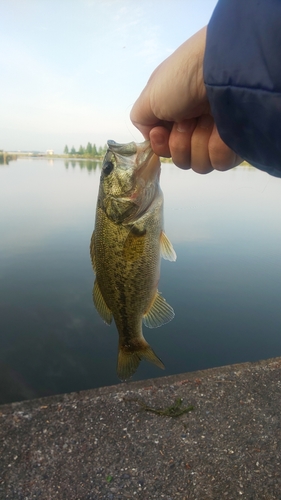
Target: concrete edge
{"type": "Point", "coordinates": [147, 383]}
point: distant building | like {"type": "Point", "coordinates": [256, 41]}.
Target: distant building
{"type": "Point", "coordinates": [49, 152]}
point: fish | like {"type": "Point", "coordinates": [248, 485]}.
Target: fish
{"type": "Point", "coordinates": [126, 248]}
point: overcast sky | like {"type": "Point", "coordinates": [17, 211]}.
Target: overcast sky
{"type": "Point", "coordinates": [70, 70]}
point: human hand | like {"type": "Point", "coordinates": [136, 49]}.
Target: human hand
{"type": "Point", "coordinates": [174, 113]}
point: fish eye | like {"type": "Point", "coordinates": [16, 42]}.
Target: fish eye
{"type": "Point", "coordinates": [108, 167]}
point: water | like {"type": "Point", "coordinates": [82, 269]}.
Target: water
{"type": "Point", "coordinates": [225, 286]}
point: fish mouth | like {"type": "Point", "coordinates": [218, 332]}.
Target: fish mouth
{"type": "Point", "coordinates": [144, 167]}
{"type": "Point", "coordinates": [138, 156]}
{"type": "Point", "coordinates": [150, 168]}
{"type": "Point", "coordinates": [127, 149]}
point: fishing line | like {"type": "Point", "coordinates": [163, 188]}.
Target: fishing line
{"type": "Point", "coordinates": [130, 127]}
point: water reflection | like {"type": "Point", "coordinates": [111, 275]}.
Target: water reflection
{"type": "Point", "coordinates": [5, 158]}
{"type": "Point", "coordinates": [83, 164]}
{"type": "Point", "coordinates": [225, 286]}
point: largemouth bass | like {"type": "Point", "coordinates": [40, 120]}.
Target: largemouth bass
{"type": "Point", "coordinates": [126, 248]}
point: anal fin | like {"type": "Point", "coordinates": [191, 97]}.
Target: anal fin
{"type": "Point", "coordinates": [159, 313]}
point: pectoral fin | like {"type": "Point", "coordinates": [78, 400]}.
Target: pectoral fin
{"type": "Point", "coordinates": [159, 313]}
{"type": "Point", "coordinates": [166, 247]}
{"type": "Point", "coordinates": [92, 252]}
{"type": "Point", "coordinates": [100, 304]}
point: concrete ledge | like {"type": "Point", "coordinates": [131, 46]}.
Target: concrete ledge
{"type": "Point", "coordinates": [102, 444]}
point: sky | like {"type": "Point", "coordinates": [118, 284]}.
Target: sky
{"type": "Point", "coordinates": [70, 70]}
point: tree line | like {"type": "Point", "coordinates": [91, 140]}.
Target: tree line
{"type": "Point", "coordinates": [90, 151]}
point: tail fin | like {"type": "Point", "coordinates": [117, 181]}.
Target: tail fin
{"type": "Point", "coordinates": [129, 358]}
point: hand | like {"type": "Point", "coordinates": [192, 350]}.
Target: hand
{"type": "Point", "coordinates": [173, 111]}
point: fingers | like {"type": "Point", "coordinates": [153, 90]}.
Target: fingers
{"type": "Point", "coordinates": [221, 156]}
{"type": "Point", "coordinates": [174, 112]}
{"type": "Point", "coordinates": [159, 138]}
{"type": "Point", "coordinates": [200, 161]}
{"type": "Point", "coordinates": [180, 142]}
{"type": "Point", "coordinates": [187, 143]}
{"type": "Point", "coordinates": [194, 144]}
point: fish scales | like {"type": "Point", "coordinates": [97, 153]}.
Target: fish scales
{"type": "Point", "coordinates": [127, 286]}
{"type": "Point", "coordinates": [125, 250]}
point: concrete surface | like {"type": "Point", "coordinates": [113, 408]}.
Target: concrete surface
{"type": "Point", "coordinates": [103, 444]}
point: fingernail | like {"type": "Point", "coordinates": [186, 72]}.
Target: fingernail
{"type": "Point", "coordinates": [183, 126]}
{"type": "Point", "coordinates": [159, 139]}
{"type": "Point", "coordinates": [205, 121]}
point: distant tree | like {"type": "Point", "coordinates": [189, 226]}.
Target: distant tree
{"type": "Point", "coordinates": [66, 150]}
{"type": "Point", "coordinates": [95, 152]}
{"type": "Point", "coordinates": [89, 148]}
{"type": "Point", "coordinates": [81, 150]}
{"type": "Point", "coordinates": [102, 150]}
{"type": "Point", "coordinates": [73, 152]}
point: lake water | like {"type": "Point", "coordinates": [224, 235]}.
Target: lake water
{"type": "Point", "coordinates": [225, 286]}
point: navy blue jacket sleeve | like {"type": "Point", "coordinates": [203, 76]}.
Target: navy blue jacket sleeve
{"type": "Point", "coordinates": [242, 74]}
